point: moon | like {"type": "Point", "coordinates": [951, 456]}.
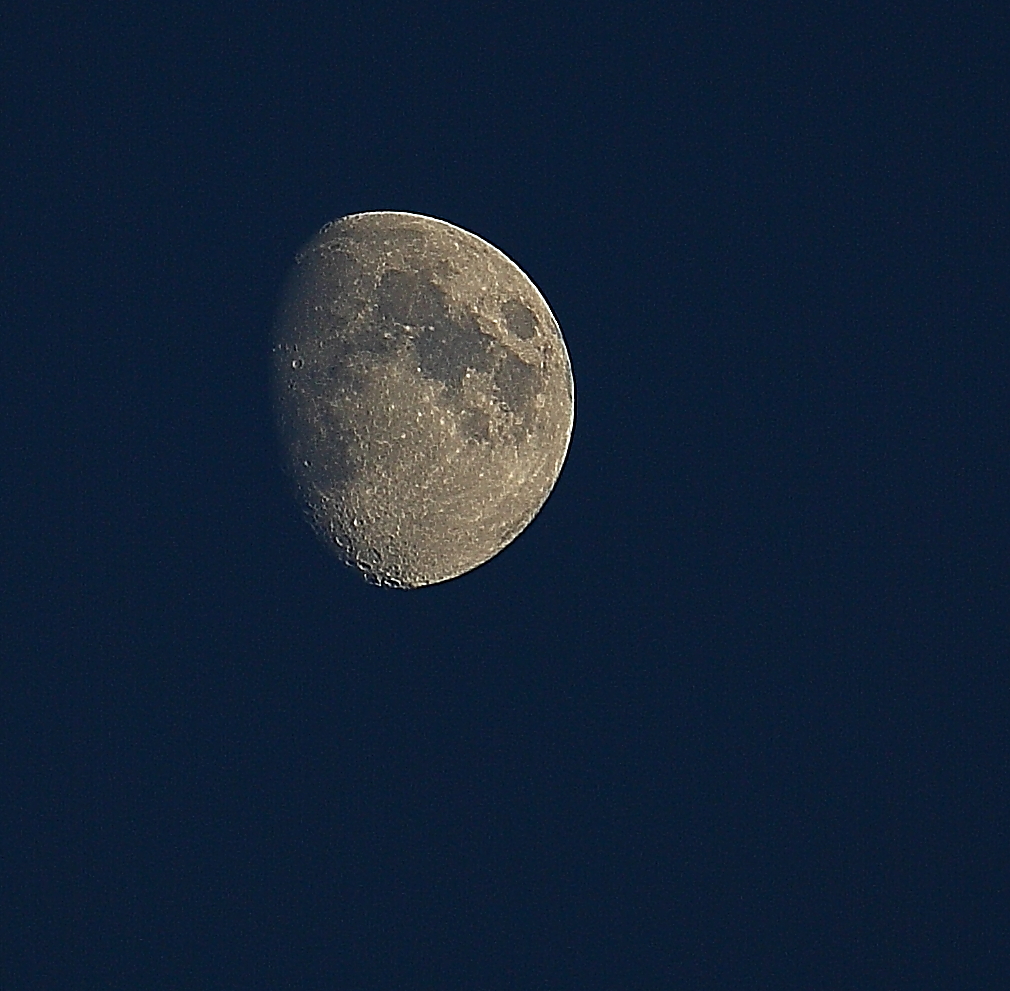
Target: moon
{"type": "Point", "coordinates": [424, 395]}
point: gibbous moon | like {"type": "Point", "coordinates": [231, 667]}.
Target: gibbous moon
{"type": "Point", "coordinates": [424, 395]}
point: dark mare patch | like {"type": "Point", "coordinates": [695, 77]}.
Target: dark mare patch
{"type": "Point", "coordinates": [516, 383]}
{"type": "Point", "coordinates": [447, 348]}
{"type": "Point", "coordinates": [407, 298]}
{"type": "Point", "coordinates": [476, 424]}
{"type": "Point", "coordinates": [519, 319]}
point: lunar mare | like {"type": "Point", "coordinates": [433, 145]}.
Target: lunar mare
{"type": "Point", "coordinates": [424, 394]}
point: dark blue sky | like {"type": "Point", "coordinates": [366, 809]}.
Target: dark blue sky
{"type": "Point", "coordinates": [731, 713]}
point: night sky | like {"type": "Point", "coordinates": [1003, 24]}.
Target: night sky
{"type": "Point", "coordinates": [732, 712]}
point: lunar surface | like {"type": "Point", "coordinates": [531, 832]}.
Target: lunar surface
{"type": "Point", "coordinates": [424, 395]}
